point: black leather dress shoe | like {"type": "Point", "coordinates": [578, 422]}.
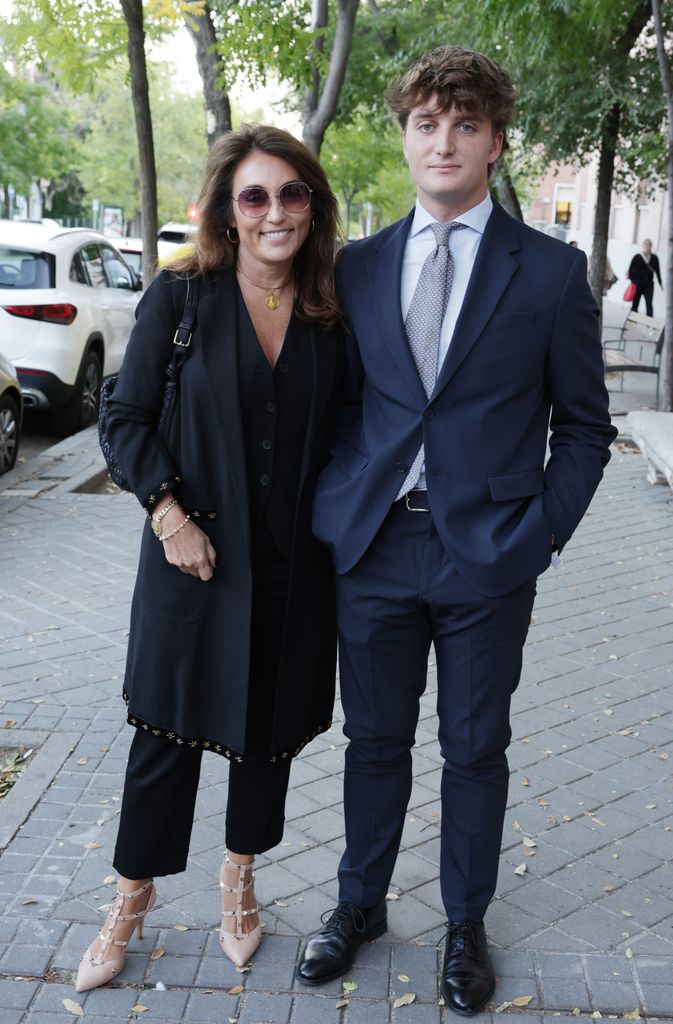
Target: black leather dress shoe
{"type": "Point", "coordinates": [468, 981]}
{"type": "Point", "coordinates": [332, 951]}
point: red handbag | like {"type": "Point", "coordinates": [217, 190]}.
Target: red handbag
{"type": "Point", "coordinates": [630, 293]}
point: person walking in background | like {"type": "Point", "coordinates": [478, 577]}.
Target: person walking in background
{"type": "Point", "coordinates": [467, 329]}
{"type": "Point", "coordinates": [642, 270]}
{"type": "Point", "coordinates": [232, 645]}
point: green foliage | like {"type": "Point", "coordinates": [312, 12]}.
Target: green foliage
{"type": "Point", "coordinates": [35, 140]}
{"type": "Point", "coordinates": [108, 166]}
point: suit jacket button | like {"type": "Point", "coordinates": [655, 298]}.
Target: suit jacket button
{"type": "Point", "coordinates": [400, 467]}
{"type": "Point", "coordinates": [429, 415]}
{"type": "Point", "coordinates": [265, 480]}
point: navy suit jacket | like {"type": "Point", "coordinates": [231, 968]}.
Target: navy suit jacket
{"type": "Point", "coordinates": [526, 347]}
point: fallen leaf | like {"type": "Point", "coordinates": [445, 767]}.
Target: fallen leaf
{"type": "Point", "coordinates": [551, 820]}
{"type": "Point", "coordinates": [8, 725]}
{"type": "Point", "coordinates": [83, 760]}
{"type": "Point", "coordinates": [522, 1000]}
{"type": "Point", "coordinates": [597, 1015]}
{"type": "Point", "coordinates": [520, 870]}
{"type": "Point", "coordinates": [180, 927]}
{"type": "Point", "coordinates": [502, 1007]}
{"type": "Point", "coordinates": [608, 888]}
{"type": "Point", "coordinates": [109, 879]}
{"type": "Point", "coordinates": [663, 757]}
{"type": "Point", "coordinates": [26, 903]}
{"type": "Point", "coordinates": [650, 807]}
{"type": "Point", "coordinates": [626, 913]}
{"type": "Point", "coordinates": [139, 1008]}
{"type": "Point", "coordinates": [105, 906]}
{"type": "Point", "coordinates": [543, 803]}
{"type": "Point", "coordinates": [341, 1003]}
{"type": "Point", "coordinates": [576, 1011]}
{"type": "Point", "coordinates": [403, 977]}
{"type": "Point", "coordinates": [392, 896]}
{"type": "Point", "coordinates": [632, 1015]}
{"type": "Point", "coordinates": [73, 1007]}
{"type": "Point", "coordinates": [235, 991]}
{"type": "Point", "coordinates": [525, 781]}
{"type": "Point", "coordinates": [609, 711]}
{"type": "Point", "coordinates": [243, 970]}
{"type": "Point", "coordinates": [629, 953]}
{"type": "Point", "coordinates": [405, 1000]}
{"type": "Point", "coordinates": [349, 986]}
{"type": "Point", "coordinates": [530, 843]}
{"type": "Point", "coordinates": [280, 903]}
{"type": "Point", "coordinates": [156, 953]}
{"type": "Point", "coordinates": [516, 825]}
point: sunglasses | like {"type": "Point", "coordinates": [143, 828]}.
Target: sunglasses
{"type": "Point", "coordinates": [254, 201]}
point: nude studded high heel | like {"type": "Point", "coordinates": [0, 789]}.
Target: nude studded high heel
{"type": "Point", "coordinates": [97, 970]}
{"type": "Point", "coordinates": [240, 945]}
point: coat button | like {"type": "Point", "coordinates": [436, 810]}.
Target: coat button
{"type": "Point", "coordinates": [266, 445]}
{"type": "Point", "coordinates": [283, 367]}
{"type": "Point", "coordinates": [265, 480]}
{"type": "Point", "coordinates": [400, 467]}
{"type": "Point", "coordinates": [429, 415]}
{"type": "Point", "coordinates": [270, 406]}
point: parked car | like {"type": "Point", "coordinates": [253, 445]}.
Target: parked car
{"type": "Point", "coordinates": [67, 305]}
{"type": "Point", "coordinates": [11, 414]}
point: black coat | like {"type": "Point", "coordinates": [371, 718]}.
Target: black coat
{"type": "Point", "coordinates": [189, 646]}
{"type": "Point", "coordinates": [642, 273]}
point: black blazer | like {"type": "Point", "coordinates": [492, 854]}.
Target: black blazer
{"type": "Point", "coordinates": [642, 273]}
{"type": "Point", "coordinates": [188, 657]}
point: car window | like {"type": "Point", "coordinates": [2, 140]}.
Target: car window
{"type": "Point", "coordinates": [93, 265]}
{"type": "Point", "coordinates": [77, 271]}
{"type": "Point", "coordinates": [23, 268]}
{"type": "Point", "coordinates": [117, 272]}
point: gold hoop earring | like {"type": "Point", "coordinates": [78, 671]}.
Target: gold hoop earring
{"type": "Point", "coordinates": [234, 241]}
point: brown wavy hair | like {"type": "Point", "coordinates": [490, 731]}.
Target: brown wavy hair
{"type": "Point", "coordinates": [316, 298]}
{"type": "Point", "coordinates": [462, 78]}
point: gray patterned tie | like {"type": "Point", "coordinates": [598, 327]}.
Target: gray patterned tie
{"type": "Point", "coordinates": [424, 323]}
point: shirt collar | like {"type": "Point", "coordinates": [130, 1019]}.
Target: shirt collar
{"type": "Point", "coordinates": [475, 218]}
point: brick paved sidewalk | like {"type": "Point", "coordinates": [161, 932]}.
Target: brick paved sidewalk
{"type": "Point", "coordinates": [588, 926]}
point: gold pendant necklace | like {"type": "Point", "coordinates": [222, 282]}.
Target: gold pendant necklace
{"type": "Point", "coordinates": [272, 300]}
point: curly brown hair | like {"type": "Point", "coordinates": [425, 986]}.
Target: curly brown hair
{"type": "Point", "coordinates": [462, 78]}
{"type": "Point", "coordinates": [316, 300]}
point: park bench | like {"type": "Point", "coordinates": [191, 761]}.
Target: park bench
{"type": "Point", "coordinates": [641, 333]}
{"type": "Point", "coordinates": [653, 433]}
{"type": "Point", "coordinates": [638, 332]}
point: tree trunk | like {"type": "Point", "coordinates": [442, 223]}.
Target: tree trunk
{"type": "Point", "coordinates": [666, 393]}
{"type": "Point", "coordinates": [606, 173]}
{"type": "Point", "coordinates": [505, 191]}
{"type": "Point", "coordinates": [202, 30]}
{"type": "Point", "coordinates": [320, 107]}
{"type": "Point", "coordinates": [133, 13]}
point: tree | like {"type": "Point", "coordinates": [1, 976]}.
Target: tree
{"type": "Point", "coordinates": [201, 27]}
{"type": "Point", "coordinates": [667, 84]}
{"type": "Point", "coordinates": [321, 97]}
{"type": "Point", "coordinates": [35, 139]}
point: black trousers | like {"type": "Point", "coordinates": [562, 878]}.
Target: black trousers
{"type": "Point", "coordinates": [162, 778]}
{"type": "Point", "coordinates": [647, 292]}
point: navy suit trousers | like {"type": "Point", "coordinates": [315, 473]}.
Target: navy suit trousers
{"type": "Point", "coordinates": [403, 596]}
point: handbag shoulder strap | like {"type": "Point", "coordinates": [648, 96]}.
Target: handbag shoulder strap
{"type": "Point", "coordinates": [182, 338]}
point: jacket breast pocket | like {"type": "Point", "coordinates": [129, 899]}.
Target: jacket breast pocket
{"type": "Point", "coordinates": [516, 485]}
{"type": "Point", "coordinates": [503, 321]}
{"type": "Point", "coordinates": [349, 459]}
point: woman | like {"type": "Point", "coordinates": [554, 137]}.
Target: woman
{"type": "Point", "coordinates": [232, 641]}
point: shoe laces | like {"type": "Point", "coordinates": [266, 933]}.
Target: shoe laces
{"type": "Point", "coordinates": [457, 935]}
{"type": "Point", "coordinates": [342, 914]}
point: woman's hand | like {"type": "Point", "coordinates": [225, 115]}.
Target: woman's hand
{"type": "Point", "coordinates": [189, 549]}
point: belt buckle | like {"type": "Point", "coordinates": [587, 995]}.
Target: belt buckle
{"type": "Point", "coordinates": [408, 506]}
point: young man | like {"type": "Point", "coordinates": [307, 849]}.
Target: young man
{"type": "Point", "coordinates": [467, 329]}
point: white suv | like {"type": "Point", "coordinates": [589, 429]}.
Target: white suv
{"type": "Point", "coordinates": [67, 306]}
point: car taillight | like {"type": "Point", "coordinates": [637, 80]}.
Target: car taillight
{"type": "Point", "coordinates": [53, 313]}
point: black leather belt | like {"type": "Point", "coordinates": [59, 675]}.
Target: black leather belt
{"type": "Point", "coordinates": [417, 501]}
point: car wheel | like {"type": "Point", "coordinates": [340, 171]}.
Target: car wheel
{"type": "Point", "coordinates": [81, 410]}
{"type": "Point", "coordinates": [9, 432]}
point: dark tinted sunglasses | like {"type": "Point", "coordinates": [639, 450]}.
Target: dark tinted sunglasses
{"type": "Point", "coordinates": [254, 201]}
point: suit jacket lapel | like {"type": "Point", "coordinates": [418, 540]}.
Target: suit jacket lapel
{"type": "Point", "coordinates": [217, 319]}
{"type": "Point", "coordinates": [492, 272]}
{"type": "Point", "coordinates": [385, 275]}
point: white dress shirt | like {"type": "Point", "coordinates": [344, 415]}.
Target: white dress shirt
{"type": "Point", "coordinates": [464, 246]}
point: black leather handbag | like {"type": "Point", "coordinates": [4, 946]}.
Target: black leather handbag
{"type": "Point", "coordinates": [182, 342]}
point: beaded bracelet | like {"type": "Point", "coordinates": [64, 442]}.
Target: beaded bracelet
{"type": "Point", "coordinates": [175, 529]}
